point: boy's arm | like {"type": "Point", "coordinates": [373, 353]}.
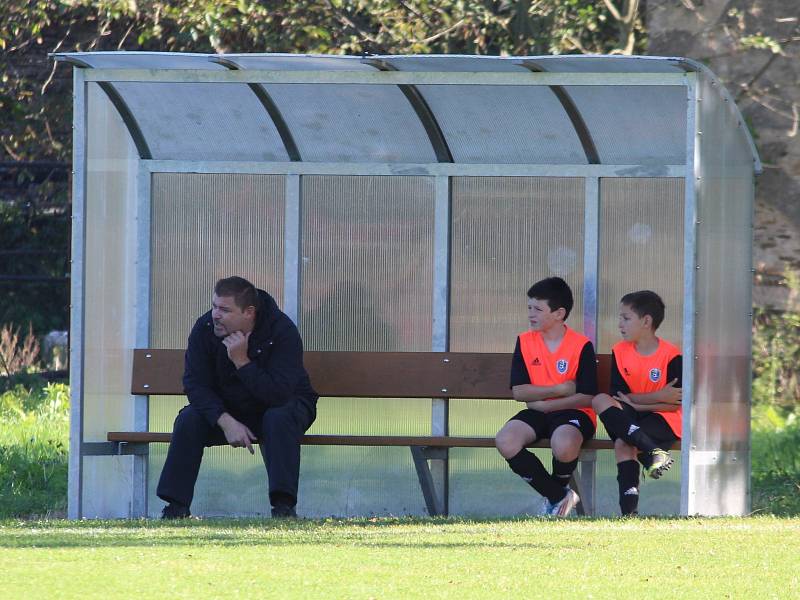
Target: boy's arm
{"type": "Point", "coordinates": [584, 386]}
{"type": "Point", "coordinates": [539, 393]}
{"type": "Point", "coordinates": [656, 406]}
{"type": "Point", "coordinates": [616, 383]}
{"type": "Point", "coordinates": [523, 390]}
{"type": "Point", "coordinates": [670, 395]}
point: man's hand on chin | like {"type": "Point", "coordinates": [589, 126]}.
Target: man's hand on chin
{"type": "Point", "coordinates": [237, 434]}
{"type": "Point", "coordinates": [236, 344]}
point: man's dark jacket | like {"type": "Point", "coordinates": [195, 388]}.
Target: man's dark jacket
{"type": "Point", "coordinates": [274, 376]}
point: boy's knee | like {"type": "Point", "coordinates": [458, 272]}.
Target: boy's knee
{"type": "Point", "coordinates": [507, 443]}
{"type": "Point", "coordinates": [566, 448]}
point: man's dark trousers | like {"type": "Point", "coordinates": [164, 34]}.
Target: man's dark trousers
{"type": "Point", "coordinates": [278, 430]}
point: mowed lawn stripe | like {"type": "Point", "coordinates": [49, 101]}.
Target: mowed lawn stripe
{"type": "Point", "coordinates": [403, 558]}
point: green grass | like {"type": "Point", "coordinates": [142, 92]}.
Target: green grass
{"type": "Point", "coordinates": [34, 434]}
{"type": "Point", "coordinates": [403, 558]}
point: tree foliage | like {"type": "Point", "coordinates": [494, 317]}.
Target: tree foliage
{"type": "Point", "coordinates": [34, 99]}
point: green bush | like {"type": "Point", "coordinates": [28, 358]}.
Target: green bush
{"type": "Point", "coordinates": [776, 461]}
{"type": "Point", "coordinates": [33, 449]}
{"type": "Point", "coordinates": [776, 353]}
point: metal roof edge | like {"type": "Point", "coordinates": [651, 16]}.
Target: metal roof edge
{"type": "Point", "coordinates": [705, 71]}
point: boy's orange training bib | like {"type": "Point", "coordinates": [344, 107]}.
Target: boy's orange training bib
{"type": "Point", "coordinates": [645, 374]}
{"type": "Point", "coordinates": [551, 368]}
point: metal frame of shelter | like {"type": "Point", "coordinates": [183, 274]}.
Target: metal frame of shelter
{"type": "Point", "coordinates": [718, 150]}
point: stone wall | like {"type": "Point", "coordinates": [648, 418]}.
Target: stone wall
{"type": "Point", "coordinates": [754, 47]}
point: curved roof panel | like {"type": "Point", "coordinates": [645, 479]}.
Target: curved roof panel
{"type": "Point", "coordinates": [189, 121]}
{"type": "Point", "coordinates": [624, 133]}
{"type": "Point", "coordinates": [235, 119]}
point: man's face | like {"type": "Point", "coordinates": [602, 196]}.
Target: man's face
{"type": "Point", "coordinates": [228, 317]}
{"type": "Point", "coordinates": [540, 317]}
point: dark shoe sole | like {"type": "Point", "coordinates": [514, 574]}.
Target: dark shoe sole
{"type": "Point", "coordinates": [658, 472]}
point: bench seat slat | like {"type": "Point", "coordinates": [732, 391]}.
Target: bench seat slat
{"type": "Point", "coordinates": [138, 437]}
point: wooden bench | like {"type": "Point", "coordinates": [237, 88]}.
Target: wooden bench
{"type": "Point", "coordinates": [435, 375]}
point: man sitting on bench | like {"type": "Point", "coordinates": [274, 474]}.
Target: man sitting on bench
{"type": "Point", "coordinates": [245, 381]}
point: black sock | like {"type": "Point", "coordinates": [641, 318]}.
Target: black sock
{"type": "Point", "coordinates": [530, 468]}
{"type": "Point", "coordinates": [628, 480]}
{"type": "Point", "coordinates": [562, 471]}
{"type": "Point", "coordinates": [624, 428]}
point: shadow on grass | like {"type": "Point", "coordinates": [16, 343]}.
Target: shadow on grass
{"type": "Point", "coordinates": [266, 532]}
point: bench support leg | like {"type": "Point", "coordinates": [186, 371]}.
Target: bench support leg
{"type": "Point", "coordinates": [584, 483]}
{"type": "Point", "coordinates": [433, 502]}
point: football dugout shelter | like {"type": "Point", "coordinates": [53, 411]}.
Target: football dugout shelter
{"type": "Point", "coordinates": [405, 203]}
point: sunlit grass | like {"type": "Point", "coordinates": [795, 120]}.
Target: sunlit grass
{"type": "Point", "coordinates": [403, 558]}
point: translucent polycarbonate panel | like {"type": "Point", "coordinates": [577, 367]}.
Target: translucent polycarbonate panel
{"type": "Point", "coordinates": [203, 121]}
{"type": "Point", "coordinates": [366, 284]}
{"type": "Point", "coordinates": [482, 418]}
{"type": "Point", "coordinates": [367, 263]}
{"type": "Point", "coordinates": [507, 233]}
{"type": "Point", "coordinates": [662, 497]}
{"type": "Point", "coordinates": [143, 60]}
{"type": "Point", "coordinates": [358, 481]}
{"type": "Point", "coordinates": [633, 125]}
{"type": "Point", "coordinates": [231, 481]}
{"type": "Point", "coordinates": [109, 310]}
{"type": "Point", "coordinates": [482, 484]}
{"type": "Point", "coordinates": [641, 248]}
{"type": "Point", "coordinates": [515, 124]}
{"type": "Point", "coordinates": [297, 62]}
{"type": "Point", "coordinates": [352, 123]}
{"type": "Point", "coordinates": [720, 419]}
{"type": "Point", "coordinates": [607, 64]}
{"type": "Point", "coordinates": [205, 227]}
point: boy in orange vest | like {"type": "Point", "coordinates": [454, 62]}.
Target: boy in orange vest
{"type": "Point", "coordinates": [643, 413]}
{"type": "Point", "coordinates": [554, 372]}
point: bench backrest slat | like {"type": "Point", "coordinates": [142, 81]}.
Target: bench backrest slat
{"type": "Point", "coordinates": [367, 374]}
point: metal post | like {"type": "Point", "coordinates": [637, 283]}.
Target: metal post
{"type": "Point", "coordinates": [591, 268]}
{"type": "Point", "coordinates": [689, 275]}
{"type": "Point", "coordinates": [591, 257]}
{"type": "Point", "coordinates": [79, 140]}
{"type": "Point", "coordinates": [141, 311]}
{"type": "Point", "coordinates": [292, 249]}
{"type": "Point", "coordinates": [441, 326]}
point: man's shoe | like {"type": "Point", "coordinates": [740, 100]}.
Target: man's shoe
{"type": "Point", "coordinates": [565, 506]}
{"type": "Point", "coordinates": [660, 463]}
{"type": "Point", "coordinates": [283, 511]}
{"type": "Point", "coordinates": [174, 510]}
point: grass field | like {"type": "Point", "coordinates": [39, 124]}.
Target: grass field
{"type": "Point", "coordinates": [407, 558]}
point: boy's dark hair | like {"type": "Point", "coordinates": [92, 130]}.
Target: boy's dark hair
{"type": "Point", "coordinates": [244, 293]}
{"type": "Point", "coordinates": [555, 291]}
{"type": "Point", "coordinates": [644, 303]}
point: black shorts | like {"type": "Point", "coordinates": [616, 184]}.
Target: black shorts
{"type": "Point", "coordinates": [544, 424]}
{"type": "Point", "coordinates": [652, 424]}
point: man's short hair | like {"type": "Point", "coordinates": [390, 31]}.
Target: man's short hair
{"type": "Point", "coordinates": [555, 291]}
{"type": "Point", "coordinates": [243, 292]}
{"type": "Point", "coordinates": [644, 303]}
